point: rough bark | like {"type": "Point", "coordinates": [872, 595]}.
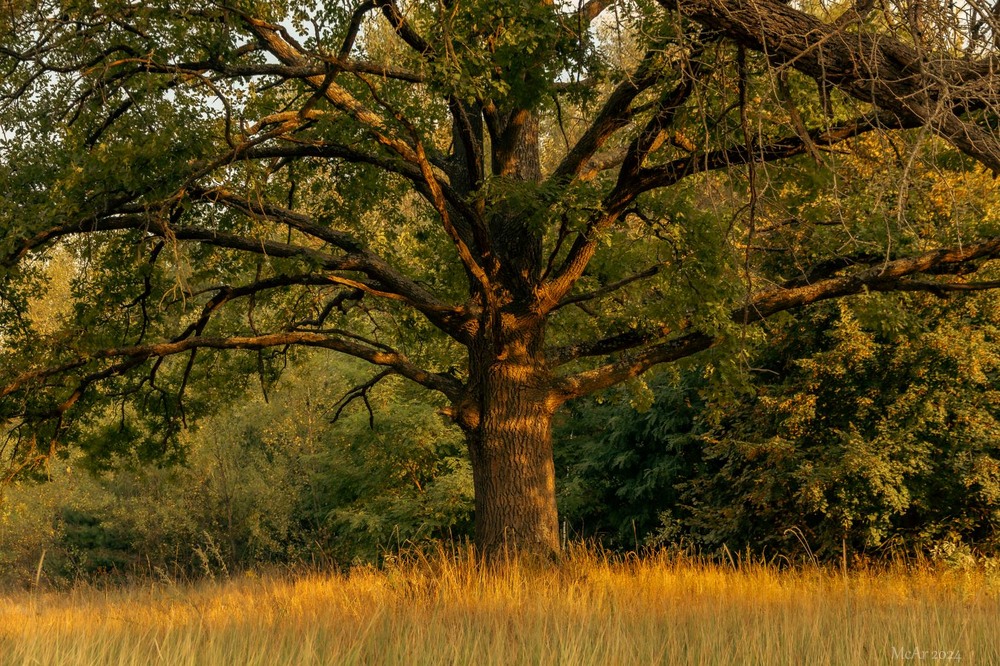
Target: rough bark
{"type": "Point", "coordinates": [513, 470]}
{"type": "Point", "coordinates": [507, 418]}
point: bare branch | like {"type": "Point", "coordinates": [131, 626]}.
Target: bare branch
{"type": "Point", "coordinates": [265, 211]}
{"type": "Point", "coordinates": [225, 293]}
{"type": "Point", "coordinates": [609, 288]}
{"type": "Point", "coordinates": [361, 391]}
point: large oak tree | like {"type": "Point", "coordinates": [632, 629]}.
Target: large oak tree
{"type": "Point", "coordinates": [512, 203]}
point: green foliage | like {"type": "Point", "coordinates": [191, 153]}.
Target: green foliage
{"type": "Point", "coordinates": [404, 479]}
{"type": "Point", "coordinates": [90, 547]}
{"type": "Point", "coordinates": [860, 432]}
{"type": "Point", "coordinates": [260, 482]}
{"type": "Point", "coordinates": [509, 50]}
{"type": "Point", "coordinates": [620, 467]}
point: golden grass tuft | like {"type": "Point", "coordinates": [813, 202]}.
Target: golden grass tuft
{"type": "Point", "coordinates": [588, 609]}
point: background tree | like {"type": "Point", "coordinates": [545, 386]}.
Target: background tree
{"type": "Point", "coordinates": [261, 484]}
{"type": "Point", "coordinates": [856, 434]}
{"type": "Point", "coordinates": [512, 204]}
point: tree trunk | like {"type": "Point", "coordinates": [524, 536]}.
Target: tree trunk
{"type": "Point", "coordinates": [510, 446]}
{"type": "Point", "coordinates": [507, 410]}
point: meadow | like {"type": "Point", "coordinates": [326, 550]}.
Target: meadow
{"type": "Point", "coordinates": [590, 608]}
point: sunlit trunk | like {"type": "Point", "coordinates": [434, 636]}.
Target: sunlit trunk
{"type": "Point", "coordinates": [510, 445]}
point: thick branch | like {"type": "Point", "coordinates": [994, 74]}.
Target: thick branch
{"type": "Point", "coordinates": [261, 210]}
{"type": "Point", "coordinates": [630, 366]}
{"type": "Point", "coordinates": [674, 171]}
{"type": "Point", "coordinates": [336, 151]}
{"type": "Point", "coordinates": [443, 383]}
{"type": "Point", "coordinates": [889, 276]}
{"type": "Point", "coordinates": [288, 54]}
{"type": "Point", "coordinates": [592, 9]}
{"type": "Point", "coordinates": [280, 45]}
{"type": "Point", "coordinates": [354, 26]}
{"type": "Point", "coordinates": [609, 288]}
{"type": "Point", "coordinates": [403, 28]}
{"type": "Point", "coordinates": [651, 136]}
{"type": "Point", "coordinates": [359, 258]}
{"type": "Point", "coordinates": [612, 344]}
{"type": "Point", "coordinates": [670, 173]}
{"type": "Point", "coordinates": [614, 115]}
{"type": "Point", "coordinates": [874, 68]}
{"type": "Point", "coordinates": [450, 319]}
{"type": "Point", "coordinates": [226, 293]}
{"type": "Point", "coordinates": [302, 70]}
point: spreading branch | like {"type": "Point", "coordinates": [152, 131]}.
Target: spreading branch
{"type": "Point", "coordinates": [613, 116]}
{"type": "Point", "coordinates": [135, 354]}
{"type": "Point", "coordinates": [644, 179]}
{"type": "Point", "coordinates": [641, 350]}
{"type": "Point", "coordinates": [609, 288]}
{"type": "Point", "coordinates": [361, 391]}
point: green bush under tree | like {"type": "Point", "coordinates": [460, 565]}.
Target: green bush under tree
{"type": "Point", "coordinates": [872, 427]}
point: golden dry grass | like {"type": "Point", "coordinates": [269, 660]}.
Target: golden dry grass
{"type": "Point", "coordinates": [587, 610]}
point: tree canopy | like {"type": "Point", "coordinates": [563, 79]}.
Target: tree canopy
{"type": "Point", "coordinates": [512, 204]}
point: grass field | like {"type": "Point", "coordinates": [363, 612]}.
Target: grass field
{"type": "Point", "coordinates": [589, 609]}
